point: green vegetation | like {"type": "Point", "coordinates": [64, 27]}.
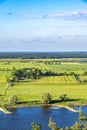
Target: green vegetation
{"type": "Point", "coordinates": [46, 98]}
{"type": "Point", "coordinates": [81, 124]}
{"type": "Point", "coordinates": [52, 125]}
{"type": "Point", "coordinates": [36, 126]}
{"type": "Point", "coordinates": [13, 100]}
{"type": "Point", "coordinates": [64, 98]}
{"type": "Point", "coordinates": [30, 79]}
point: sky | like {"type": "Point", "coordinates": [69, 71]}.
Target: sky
{"type": "Point", "coordinates": [43, 25]}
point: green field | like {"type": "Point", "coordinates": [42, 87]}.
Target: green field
{"type": "Point", "coordinates": [32, 89]}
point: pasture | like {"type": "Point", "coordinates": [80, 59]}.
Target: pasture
{"type": "Point", "coordinates": [31, 90]}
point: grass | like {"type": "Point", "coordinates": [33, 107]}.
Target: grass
{"type": "Point", "coordinates": [32, 90]}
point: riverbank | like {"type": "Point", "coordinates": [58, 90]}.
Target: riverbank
{"type": "Point", "coordinates": [6, 110]}
{"type": "Point", "coordinates": [66, 107]}
{"type": "Point", "coordinates": [69, 108]}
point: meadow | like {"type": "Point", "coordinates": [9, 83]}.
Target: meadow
{"type": "Point", "coordinates": [31, 90]}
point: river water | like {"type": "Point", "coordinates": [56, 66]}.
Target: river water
{"type": "Point", "coordinates": [21, 118]}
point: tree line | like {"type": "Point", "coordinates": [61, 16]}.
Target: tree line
{"type": "Point", "coordinates": [40, 55]}
{"type": "Point", "coordinates": [29, 73]}
{"type": "Point", "coordinates": [35, 73]}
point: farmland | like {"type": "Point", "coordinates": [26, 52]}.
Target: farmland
{"type": "Point", "coordinates": [71, 80]}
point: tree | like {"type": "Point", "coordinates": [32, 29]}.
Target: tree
{"type": "Point", "coordinates": [17, 74]}
{"type": "Point", "coordinates": [64, 97]}
{"type": "Point", "coordinates": [36, 126]}
{"type": "Point", "coordinates": [81, 123]}
{"type": "Point", "coordinates": [52, 125]}
{"type": "Point", "coordinates": [82, 116]}
{"type": "Point", "coordinates": [46, 98]}
{"type": "Point", "coordinates": [13, 100]}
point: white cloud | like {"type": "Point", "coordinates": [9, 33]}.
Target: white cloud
{"type": "Point", "coordinates": [72, 15]}
{"type": "Point", "coordinates": [57, 43]}
{"type": "Point", "coordinates": [53, 39]}
{"type": "Point", "coordinates": [68, 15]}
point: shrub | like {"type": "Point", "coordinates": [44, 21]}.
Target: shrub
{"type": "Point", "coordinates": [64, 97]}
{"type": "Point", "coordinates": [36, 126]}
{"type": "Point", "coordinates": [52, 125]}
{"type": "Point", "coordinates": [13, 100]}
{"type": "Point", "coordinates": [46, 98]}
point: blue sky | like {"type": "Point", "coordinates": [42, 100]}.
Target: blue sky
{"type": "Point", "coordinates": [43, 25]}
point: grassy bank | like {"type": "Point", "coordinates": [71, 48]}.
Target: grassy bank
{"type": "Point", "coordinates": [29, 92]}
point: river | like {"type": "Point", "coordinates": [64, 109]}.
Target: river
{"type": "Point", "coordinates": [21, 118]}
